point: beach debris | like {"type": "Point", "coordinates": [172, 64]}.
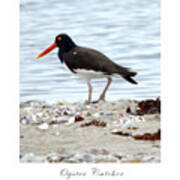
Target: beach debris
{"type": "Point", "coordinates": [107, 159]}
{"type": "Point", "coordinates": [54, 157]}
{"type": "Point", "coordinates": [71, 160]}
{"type": "Point", "coordinates": [90, 158]}
{"type": "Point", "coordinates": [63, 110]}
{"type": "Point", "coordinates": [137, 160]}
{"type": "Point", "coordinates": [30, 157]}
{"type": "Point", "coordinates": [58, 120]}
{"type": "Point", "coordinates": [97, 151]}
{"type": "Point", "coordinates": [141, 158]}
{"type": "Point", "coordinates": [79, 118]}
{"type": "Point", "coordinates": [43, 126]}
{"type": "Point", "coordinates": [96, 115]}
{"type": "Point", "coordinates": [24, 121]}
{"type": "Point", "coordinates": [119, 155]}
{"type": "Point", "coordinates": [120, 133]}
{"type": "Point", "coordinates": [149, 106]}
{"type": "Point", "coordinates": [128, 110]}
{"type": "Point", "coordinates": [132, 128]}
{"type": "Point", "coordinates": [149, 136]}
{"type": "Point", "coordinates": [97, 123]}
{"type": "Point", "coordinates": [146, 137]}
{"type": "Point", "coordinates": [71, 120]}
{"type": "Point", "coordinates": [85, 157]}
{"type": "Point", "coordinates": [129, 122]}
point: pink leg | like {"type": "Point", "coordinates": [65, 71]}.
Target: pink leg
{"type": "Point", "coordinates": [90, 88]}
{"type": "Point", "coordinates": [102, 96]}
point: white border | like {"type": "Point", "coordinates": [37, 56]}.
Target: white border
{"type": "Point", "coordinates": [9, 146]}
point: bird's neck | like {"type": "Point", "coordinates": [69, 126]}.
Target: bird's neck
{"type": "Point", "coordinates": [64, 49]}
{"type": "Point", "coordinates": [69, 46]}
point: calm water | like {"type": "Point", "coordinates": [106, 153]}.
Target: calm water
{"type": "Point", "coordinates": [126, 31]}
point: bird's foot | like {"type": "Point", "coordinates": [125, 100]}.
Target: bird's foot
{"type": "Point", "coordinates": [95, 102]}
{"type": "Point", "coordinates": [98, 101]}
{"type": "Point", "coordinates": [101, 99]}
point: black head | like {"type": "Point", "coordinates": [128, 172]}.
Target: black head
{"type": "Point", "coordinates": [65, 42]}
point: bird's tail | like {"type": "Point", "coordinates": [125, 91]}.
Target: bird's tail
{"type": "Point", "coordinates": [129, 76]}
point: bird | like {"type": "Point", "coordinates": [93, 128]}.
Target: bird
{"type": "Point", "coordinates": [88, 64]}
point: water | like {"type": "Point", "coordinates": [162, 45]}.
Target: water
{"type": "Point", "coordinates": [126, 31]}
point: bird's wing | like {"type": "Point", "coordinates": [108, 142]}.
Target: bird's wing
{"type": "Point", "coordinates": [90, 59]}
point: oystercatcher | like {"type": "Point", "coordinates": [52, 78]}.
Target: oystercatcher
{"type": "Point", "coordinates": [88, 63]}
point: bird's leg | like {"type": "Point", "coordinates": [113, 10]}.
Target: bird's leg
{"type": "Point", "coordinates": [102, 96]}
{"type": "Point", "coordinates": [90, 89]}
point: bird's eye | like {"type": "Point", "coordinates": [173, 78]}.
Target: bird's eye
{"type": "Point", "coordinates": [59, 38]}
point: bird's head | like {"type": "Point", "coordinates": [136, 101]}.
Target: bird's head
{"type": "Point", "coordinates": [61, 41]}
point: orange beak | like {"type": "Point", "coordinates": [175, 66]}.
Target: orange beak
{"type": "Point", "coordinates": [49, 49]}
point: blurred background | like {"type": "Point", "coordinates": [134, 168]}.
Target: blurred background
{"type": "Point", "coordinates": [128, 32]}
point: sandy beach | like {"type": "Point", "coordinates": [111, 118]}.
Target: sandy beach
{"type": "Point", "coordinates": [62, 132]}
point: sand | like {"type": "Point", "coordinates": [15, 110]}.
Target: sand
{"type": "Point", "coordinates": [59, 132]}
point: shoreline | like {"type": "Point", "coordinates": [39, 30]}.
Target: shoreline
{"type": "Point", "coordinates": [103, 132]}
{"type": "Point", "coordinates": [55, 100]}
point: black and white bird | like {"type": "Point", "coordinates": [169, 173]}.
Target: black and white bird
{"type": "Point", "coordinates": [88, 63]}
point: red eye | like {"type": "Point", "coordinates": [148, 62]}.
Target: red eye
{"type": "Point", "coordinates": [59, 38]}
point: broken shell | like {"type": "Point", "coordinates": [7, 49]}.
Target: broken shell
{"type": "Point", "coordinates": [96, 115]}
{"type": "Point", "coordinates": [54, 157]}
{"type": "Point", "coordinates": [71, 120]}
{"type": "Point", "coordinates": [28, 158]}
{"type": "Point", "coordinates": [43, 126]}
